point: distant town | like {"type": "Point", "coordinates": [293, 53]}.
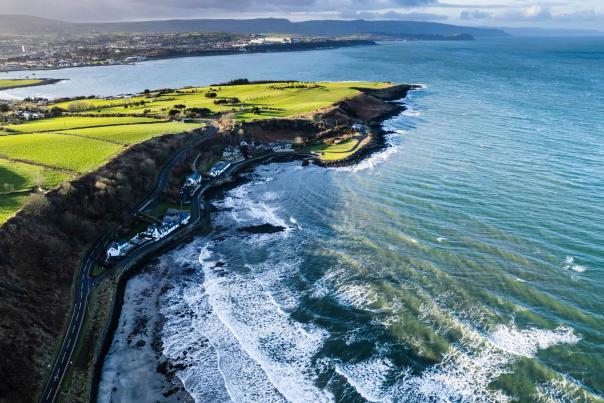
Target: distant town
{"type": "Point", "coordinates": [63, 51]}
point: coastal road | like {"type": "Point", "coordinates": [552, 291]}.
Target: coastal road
{"type": "Point", "coordinates": [85, 283]}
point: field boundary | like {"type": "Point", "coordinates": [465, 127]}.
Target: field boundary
{"type": "Point", "coordinates": [39, 164]}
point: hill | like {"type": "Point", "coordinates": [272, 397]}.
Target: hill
{"type": "Point", "coordinates": [15, 24]}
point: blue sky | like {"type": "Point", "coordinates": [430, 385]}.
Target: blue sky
{"type": "Point", "coordinates": [588, 14]}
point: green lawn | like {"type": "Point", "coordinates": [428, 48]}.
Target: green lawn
{"type": "Point", "coordinates": [74, 122]}
{"type": "Point", "coordinates": [336, 151]}
{"type": "Point", "coordinates": [9, 204]}
{"type": "Point", "coordinates": [17, 83]}
{"type": "Point", "coordinates": [135, 133]}
{"type": "Point", "coordinates": [277, 100]}
{"type": "Point", "coordinates": [74, 153]}
{"type": "Point", "coordinates": [15, 176]}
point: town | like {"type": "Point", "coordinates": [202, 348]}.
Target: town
{"type": "Point", "coordinates": [19, 53]}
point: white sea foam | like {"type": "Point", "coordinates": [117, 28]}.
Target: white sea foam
{"type": "Point", "coordinates": [441, 239]}
{"type": "Point", "coordinates": [282, 347]}
{"type": "Point", "coordinates": [527, 342]}
{"type": "Point", "coordinates": [466, 371]}
{"type": "Point", "coordinates": [569, 264]}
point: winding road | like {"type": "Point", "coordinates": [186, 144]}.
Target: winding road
{"type": "Point", "coordinates": [85, 282]}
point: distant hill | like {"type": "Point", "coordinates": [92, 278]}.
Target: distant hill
{"type": "Point", "coordinates": [27, 24]}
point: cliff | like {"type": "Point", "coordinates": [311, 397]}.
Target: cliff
{"type": "Point", "coordinates": [41, 249]}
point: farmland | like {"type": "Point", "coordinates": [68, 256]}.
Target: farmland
{"type": "Point", "coordinates": [246, 102]}
{"type": "Point", "coordinates": [90, 131]}
{"type": "Point", "coordinates": [131, 134]}
{"type": "Point", "coordinates": [6, 84]}
{"type": "Point", "coordinates": [45, 152]}
{"type": "Point", "coordinates": [74, 122]}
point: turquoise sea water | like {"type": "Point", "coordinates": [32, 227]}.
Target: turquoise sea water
{"type": "Point", "coordinates": [464, 263]}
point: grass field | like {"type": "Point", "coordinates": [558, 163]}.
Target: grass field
{"type": "Point", "coordinates": [336, 152]}
{"type": "Point", "coordinates": [15, 176]}
{"type": "Point", "coordinates": [135, 133]}
{"type": "Point", "coordinates": [74, 122]}
{"type": "Point", "coordinates": [81, 139]}
{"type": "Point", "coordinates": [68, 152]}
{"type": "Point", "coordinates": [275, 100]}
{"type": "Point", "coordinates": [10, 204]}
{"type": "Point", "coordinates": [17, 83]}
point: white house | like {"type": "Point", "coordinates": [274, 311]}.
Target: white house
{"type": "Point", "coordinates": [219, 168]}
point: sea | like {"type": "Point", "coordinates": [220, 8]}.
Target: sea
{"type": "Point", "coordinates": [463, 263]}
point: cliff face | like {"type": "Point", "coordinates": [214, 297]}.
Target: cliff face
{"type": "Point", "coordinates": [41, 249]}
{"type": "Point", "coordinates": [369, 106]}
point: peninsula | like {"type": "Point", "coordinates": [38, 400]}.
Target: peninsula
{"type": "Point", "coordinates": [96, 186]}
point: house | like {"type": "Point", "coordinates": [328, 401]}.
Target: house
{"type": "Point", "coordinates": [118, 249]}
{"type": "Point", "coordinates": [231, 153]}
{"type": "Point", "coordinates": [281, 147]}
{"type": "Point", "coordinates": [193, 180]}
{"type": "Point", "coordinates": [219, 168]}
{"type": "Point", "coordinates": [359, 128]}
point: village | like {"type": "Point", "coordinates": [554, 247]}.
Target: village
{"type": "Point", "coordinates": [33, 53]}
{"type": "Point", "coordinates": [194, 186]}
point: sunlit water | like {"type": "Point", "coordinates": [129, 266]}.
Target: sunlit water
{"type": "Point", "coordinates": [464, 263]}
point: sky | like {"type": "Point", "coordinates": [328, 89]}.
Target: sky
{"type": "Point", "coordinates": [571, 14]}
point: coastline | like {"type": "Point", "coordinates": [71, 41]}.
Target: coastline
{"type": "Point", "coordinates": [151, 262]}
{"type": "Point", "coordinates": [45, 81]}
{"type": "Point", "coordinates": [276, 48]}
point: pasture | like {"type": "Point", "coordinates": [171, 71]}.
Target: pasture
{"type": "Point", "coordinates": [57, 150]}
{"type": "Point", "coordinates": [74, 122]}
{"type": "Point", "coordinates": [15, 83]}
{"type": "Point", "coordinates": [255, 101]}
{"type": "Point", "coordinates": [134, 133]}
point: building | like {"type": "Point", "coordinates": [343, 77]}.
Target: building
{"type": "Point", "coordinates": [219, 168]}
{"type": "Point", "coordinates": [171, 221]}
{"type": "Point", "coordinates": [281, 147]}
{"type": "Point", "coordinates": [193, 180]}
{"type": "Point", "coordinates": [118, 249]}
{"type": "Point", "coordinates": [231, 153]}
{"type": "Point", "coordinates": [359, 128]}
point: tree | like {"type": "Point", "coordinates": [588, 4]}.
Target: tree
{"type": "Point", "coordinates": [56, 111]}
{"type": "Point", "coordinates": [173, 112]}
{"type": "Point", "coordinates": [256, 110]}
{"type": "Point", "coordinates": [211, 95]}
{"type": "Point", "coordinates": [4, 108]}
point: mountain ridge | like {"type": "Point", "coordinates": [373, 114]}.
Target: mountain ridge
{"type": "Point", "coordinates": [22, 24]}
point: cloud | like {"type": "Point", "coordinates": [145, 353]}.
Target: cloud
{"type": "Point", "coordinates": [468, 15]}
{"type": "Point", "coordinates": [164, 9]}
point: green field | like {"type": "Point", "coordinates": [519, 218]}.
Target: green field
{"type": "Point", "coordinates": [335, 152]}
{"type": "Point", "coordinates": [67, 152]}
{"type": "Point", "coordinates": [74, 122]}
{"type": "Point", "coordinates": [10, 204]}
{"type": "Point", "coordinates": [82, 140]}
{"type": "Point", "coordinates": [17, 83]}
{"type": "Point", "coordinates": [15, 176]}
{"type": "Point", "coordinates": [135, 133]}
{"type": "Point", "coordinates": [275, 100]}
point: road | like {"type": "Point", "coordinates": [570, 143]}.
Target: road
{"type": "Point", "coordinates": [85, 283]}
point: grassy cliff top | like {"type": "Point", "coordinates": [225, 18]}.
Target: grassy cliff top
{"type": "Point", "coordinates": [246, 101]}
{"type": "Point", "coordinates": [6, 84]}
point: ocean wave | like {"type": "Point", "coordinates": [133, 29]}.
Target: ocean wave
{"type": "Point", "coordinates": [569, 264]}
{"type": "Point", "coordinates": [282, 347]}
{"type": "Point", "coordinates": [466, 371]}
